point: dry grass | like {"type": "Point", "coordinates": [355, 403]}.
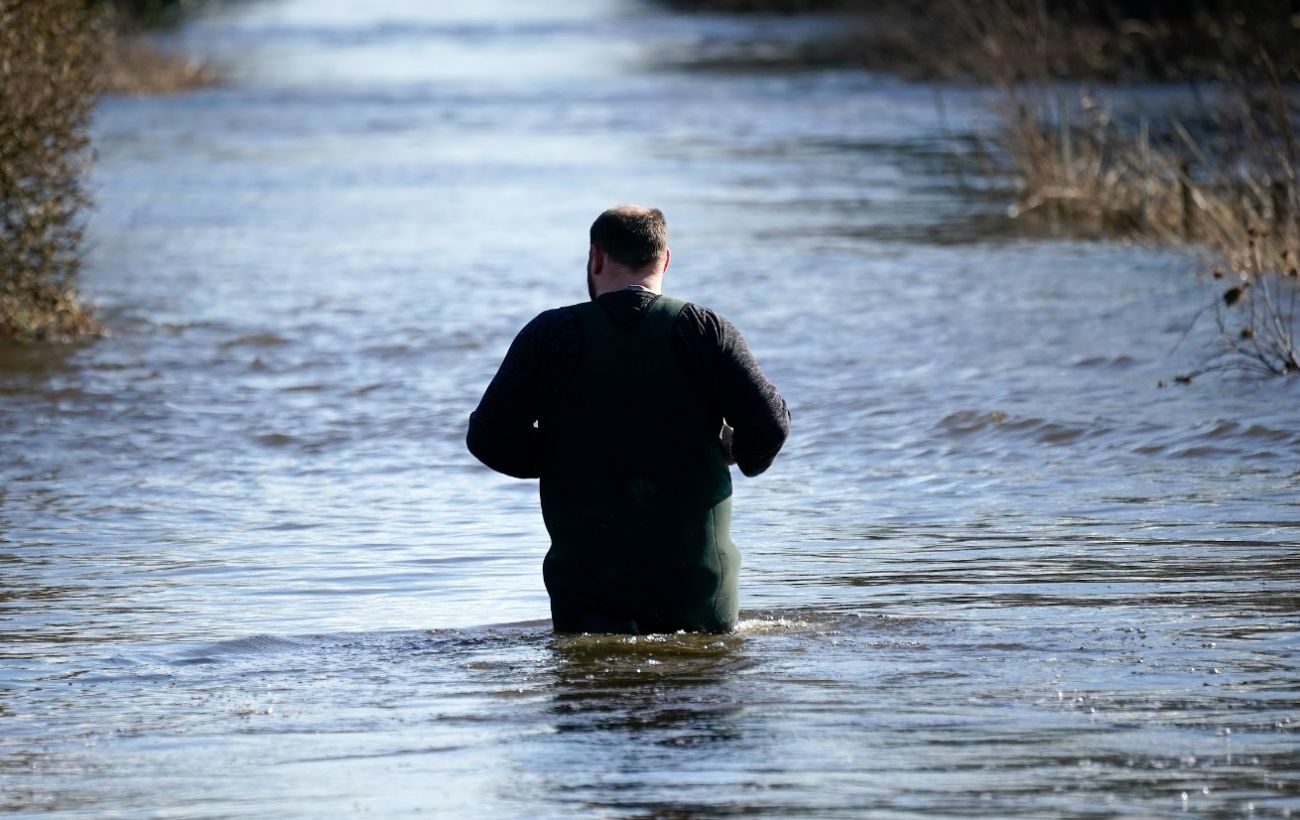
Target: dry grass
{"type": "Point", "coordinates": [1239, 210]}
{"type": "Point", "coordinates": [1226, 186]}
{"type": "Point", "coordinates": [132, 65]}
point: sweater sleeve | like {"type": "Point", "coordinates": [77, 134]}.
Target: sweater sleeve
{"type": "Point", "coordinates": [502, 431]}
{"type": "Point", "coordinates": [748, 401]}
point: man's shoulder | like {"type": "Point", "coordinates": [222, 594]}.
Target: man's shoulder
{"type": "Point", "coordinates": [548, 321]}
{"type": "Point", "coordinates": [702, 311]}
{"type": "Point", "coordinates": [703, 321]}
{"type": "Point", "coordinates": [549, 333]}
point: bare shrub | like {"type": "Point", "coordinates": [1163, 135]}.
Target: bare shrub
{"type": "Point", "coordinates": [47, 88]}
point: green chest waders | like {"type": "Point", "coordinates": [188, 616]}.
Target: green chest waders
{"type": "Point", "coordinates": [636, 492]}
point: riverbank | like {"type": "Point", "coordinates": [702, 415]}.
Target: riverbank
{"type": "Point", "coordinates": [56, 59]}
{"type": "Point", "coordinates": [1078, 155]}
{"type": "Point", "coordinates": [133, 64]}
{"type": "Point", "coordinates": [1116, 41]}
{"type": "Point", "coordinates": [1218, 177]}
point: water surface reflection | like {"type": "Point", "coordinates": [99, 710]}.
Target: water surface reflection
{"type": "Point", "coordinates": [247, 567]}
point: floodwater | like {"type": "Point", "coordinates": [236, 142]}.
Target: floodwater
{"type": "Point", "coordinates": [247, 567]}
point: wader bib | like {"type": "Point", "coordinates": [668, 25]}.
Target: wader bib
{"type": "Point", "coordinates": [635, 488]}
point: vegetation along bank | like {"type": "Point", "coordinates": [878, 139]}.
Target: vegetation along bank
{"type": "Point", "coordinates": [1082, 156]}
{"type": "Point", "coordinates": [56, 58]}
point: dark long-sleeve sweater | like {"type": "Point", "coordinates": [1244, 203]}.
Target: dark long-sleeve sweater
{"type": "Point", "coordinates": [546, 353]}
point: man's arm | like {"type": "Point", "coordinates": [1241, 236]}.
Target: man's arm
{"type": "Point", "coordinates": [749, 402]}
{"type": "Point", "coordinates": [501, 433]}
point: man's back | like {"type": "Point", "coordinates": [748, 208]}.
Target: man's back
{"type": "Point", "coordinates": [636, 492]}
{"type": "Point", "coordinates": [545, 355]}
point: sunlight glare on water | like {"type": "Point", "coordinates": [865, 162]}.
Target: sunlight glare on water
{"type": "Point", "coordinates": [249, 568]}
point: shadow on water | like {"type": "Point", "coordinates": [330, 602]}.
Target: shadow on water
{"type": "Point", "coordinates": [24, 367]}
{"type": "Point", "coordinates": [668, 689]}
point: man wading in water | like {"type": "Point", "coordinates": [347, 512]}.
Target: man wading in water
{"type": "Point", "coordinates": [629, 393]}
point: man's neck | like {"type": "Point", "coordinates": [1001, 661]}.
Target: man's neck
{"type": "Point", "coordinates": [649, 286]}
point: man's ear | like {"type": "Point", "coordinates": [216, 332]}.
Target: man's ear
{"type": "Point", "coordinates": [668, 257]}
{"type": "Point", "coordinates": [596, 259]}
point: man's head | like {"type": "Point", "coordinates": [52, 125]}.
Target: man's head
{"type": "Point", "coordinates": [631, 235]}
{"type": "Point", "coordinates": [629, 245]}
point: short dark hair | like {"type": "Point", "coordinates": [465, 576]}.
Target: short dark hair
{"type": "Point", "coordinates": [631, 235]}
